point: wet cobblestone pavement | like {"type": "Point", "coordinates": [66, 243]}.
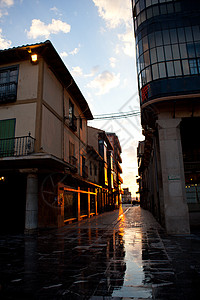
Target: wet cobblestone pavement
{"type": "Point", "coordinates": [123, 254]}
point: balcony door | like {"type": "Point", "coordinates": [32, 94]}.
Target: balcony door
{"type": "Point", "coordinates": [7, 134]}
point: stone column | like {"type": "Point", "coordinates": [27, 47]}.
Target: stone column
{"type": "Point", "coordinates": [173, 179]}
{"type": "Point", "coordinates": [31, 215]}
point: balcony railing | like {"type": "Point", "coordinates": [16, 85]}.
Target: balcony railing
{"type": "Point", "coordinates": [8, 92]}
{"type": "Point", "coordinates": [17, 146]}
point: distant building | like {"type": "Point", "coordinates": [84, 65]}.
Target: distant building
{"type": "Point", "coordinates": [126, 196]}
{"type": "Point", "coordinates": [168, 63]}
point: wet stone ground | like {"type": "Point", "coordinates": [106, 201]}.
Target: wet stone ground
{"type": "Point", "coordinates": [123, 254]}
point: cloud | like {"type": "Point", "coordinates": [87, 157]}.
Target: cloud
{"type": "Point", "coordinates": [114, 12]}
{"type": "Point", "coordinates": [63, 54]}
{"type": "Point", "coordinates": [56, 11]}
{"type": "Point", "coordinates": [104, 82]}
{"type": "Point", "coordinates": [128, 45]}
{"type": "Point", "coordinates": [6, 3]}
{"type": "Point", "coordinates": [93, 72]}
{"type": "Point", "coordinates": [3, 42]}
{"type": "Point", "coordinates": [39, 28]}
{"type": "Point", "coordinates": [75, 51]}
{"type": "Point", "coordinates": [112, 62]}
{"type": "Point", "coordinates": [77, 71]}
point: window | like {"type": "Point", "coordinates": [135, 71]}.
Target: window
{"type": "Point", "coordinates": [175, 52]}
{"type": "Point", "coordinates": [173, 36]}
{"type": "Point", "coordinates": [186, 70]}
{"type": "Point", "coordinates": [155, 71]}
{"type": "Point", "coordinates": [162, 70]}
{"type": "Point", "coordinates": [191, 50]}
{"type": "Point", "coordinates": [8, 84]}
{"type": "Point", "coordinates": [158, 36]}
{"type": "Point", "coordinates": [168, 52]}
{"type": "Point", "coordinates": [177, 67]}
{"type": "Point", "coordinates": [72, 118]}
{"type": "Point", "coordinates": [160, 53]}
{"type": "Point", "coordinates": [166, 37]}
{"type": "Point", "coordinates": [197, 47]}
{"type": "Point", "coordinates": [196, 33]}
{"type": "Point", "coordinates": [170, 69]}
{"type": "Point", "coordinates": [153, 56]}
{"type": "Point", "coordinates": [181, 35]}
{"type": "Point", "coordinates": [183, 50]}
{"type": "Point", "coordinates": [193, 66]}
{"type": "Point", "coordinates": [188, 34]}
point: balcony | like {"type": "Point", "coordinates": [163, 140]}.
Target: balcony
{"type": "Point", "coordinates": [73, 123]}
{"type": "Point", "coordinates": [18, 146]}
{"type": "Point", "coordinates": [73, 161]}
{"type": "Point", "coordinates": [8, 92]}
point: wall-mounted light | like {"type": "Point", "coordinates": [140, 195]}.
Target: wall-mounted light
{"type": "Point", "coordinates": [34, 58]}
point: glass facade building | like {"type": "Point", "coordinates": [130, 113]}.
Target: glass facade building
{"type": "Point", "coordinates": [167, 36]}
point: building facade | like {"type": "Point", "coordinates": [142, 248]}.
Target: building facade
{"type": "Point", "coordinates": [44, 178]}
{"type": "Point", "coordinates": [167, 36]}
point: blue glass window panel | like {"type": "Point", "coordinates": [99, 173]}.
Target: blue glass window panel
{"type": "Point", "coordinates": [173, 36]}
{"type": "Point", "coordinates": [198, 64]}
{"type": "Point", "coordinates": [149, 13]}
{"type": "Point", "coordinates": [145, 43]}
{"type": "Point", "coordinates": [153, 55]}
{"type": "Point", "coordinates": [181, 35]}
{"type": "Point", "coordinates": [175, 51]}
{"type": "Point", "coordinates": [163, 9]}
{"type": "Point", "coordinates": [186, 69]}
{"type": "Point", "coordinates": [152, 40]}
{"type": "Point", "coordinates": [183, 50]}
{"type": "Point", "coordinates": [191, 50]}
{"type": "Point", "coordinates": [142, 4]}
{"type": "Point", "coordinates": [146, 59]}
{"type": "Point", "coordinates": [168, 52]}
{"type": "Point", "coordinates": [188, 34]}
{"type": "Point", "coordinates": [196, 33]}
{"type": "Point", "coordinates": [166, 37]}
{"type": "Point", "coordinates": [155, 72]}
{"type": "Point", "coordinates": [154, 2]}
{"type": "Point", "coordinates": [156, 11]}
{"type": "Point", "coordinates": [197, 47]}
{"type": "Point", "coordinates": [148, 3]}
{"type": "Point", "coordinates": [193, 66]}
{"type": "Point", "coordinates": [170, 69]}
{"type": "Point", "coordinates": [148, 74]}
{"type": "Point", "coordinates": [160, 53]}
{"type": "Point", "coordinates": [162, 70]}
{"type": "Point", "coordinates": [140, 47]}
{"type": "Point", "coordinates": [177, 68]}
{"type": "Point", "coordinates": [158, 37]}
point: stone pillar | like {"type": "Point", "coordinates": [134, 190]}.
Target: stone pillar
{"type": "Point", "coordinates": [31, 215]}
{"type": "Point", "coordinates": [173, 179]}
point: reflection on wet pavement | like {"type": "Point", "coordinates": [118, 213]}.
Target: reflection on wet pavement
{"type": "Point", "coordinates": [123, 254]}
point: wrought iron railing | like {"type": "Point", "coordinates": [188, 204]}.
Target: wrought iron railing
{"type": "Point", "coordinates": [17, 146]}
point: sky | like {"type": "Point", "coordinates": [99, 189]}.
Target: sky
{"type": "Point", "coordinates": [95, 40]}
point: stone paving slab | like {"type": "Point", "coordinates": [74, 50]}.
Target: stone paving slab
{"type": "Point", "coordinates": [124, 254]}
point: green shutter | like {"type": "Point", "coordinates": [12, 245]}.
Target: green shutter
{"type": "Point", "coordinates": [7, 134]}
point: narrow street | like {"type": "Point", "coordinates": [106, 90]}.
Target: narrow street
{"type": "Point", "coordinates": [123, 254]}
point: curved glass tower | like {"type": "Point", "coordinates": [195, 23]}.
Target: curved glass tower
{"type": "Point", "coordinates": [168, 48]}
